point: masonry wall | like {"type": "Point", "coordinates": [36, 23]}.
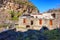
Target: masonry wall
{"type": "Point", "coordinates": [36, 25]}
{"type": "Point", "coordinates": [56, 20]}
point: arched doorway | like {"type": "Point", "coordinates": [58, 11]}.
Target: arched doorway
{"type": "Point", "coordinates": [27, 26]}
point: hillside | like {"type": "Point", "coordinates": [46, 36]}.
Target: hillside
{"type": "Point", "coordinates": [12, 9]}
{"type": "Point", "coordinates": [54, 10]}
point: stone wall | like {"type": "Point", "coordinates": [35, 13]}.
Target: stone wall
{"type": "Point", "coordinates": [35, 26]}
{"type": "Point", "coordinates": [56, 20]}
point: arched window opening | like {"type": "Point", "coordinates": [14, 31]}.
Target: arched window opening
{"type": "Point", "coordinates": [31, 22]}
{"type": "Point", "coordinates": [40, 21]}
{"type": "Point", "coordinates": [51, 22]}
{"type": "Point", "coordinates": [54, 15]}
{"type": "Point", "coordinates": [24, 20]}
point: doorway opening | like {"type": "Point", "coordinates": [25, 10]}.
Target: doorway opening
{"type": "Point", "coordinates": [31, 22]}
{"type": "Point", "coordinates": [27, 26]}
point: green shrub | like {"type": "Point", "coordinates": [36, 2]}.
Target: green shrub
{"type": "Point", "coordinates": [52, 35]}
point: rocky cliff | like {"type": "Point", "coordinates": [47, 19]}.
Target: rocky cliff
{"type": "Point", "coordinates": [12, 9]}
{"type": "Point", "coordinates": [19, 5]}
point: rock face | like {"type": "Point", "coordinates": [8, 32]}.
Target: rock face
{"type": "Point", "coordinates": [18, 6]}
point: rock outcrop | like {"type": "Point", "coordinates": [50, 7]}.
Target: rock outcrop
{"type": "Point", "coordinates": [17, 7]}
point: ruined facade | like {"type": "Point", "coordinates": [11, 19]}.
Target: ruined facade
{"type": "Point", "coordinates": [56, 20]}
{"type": "Point", "coordinates": [36, 21]}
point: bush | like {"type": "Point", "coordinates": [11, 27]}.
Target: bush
{"type": "Point", "coordinates": [52, 35]}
